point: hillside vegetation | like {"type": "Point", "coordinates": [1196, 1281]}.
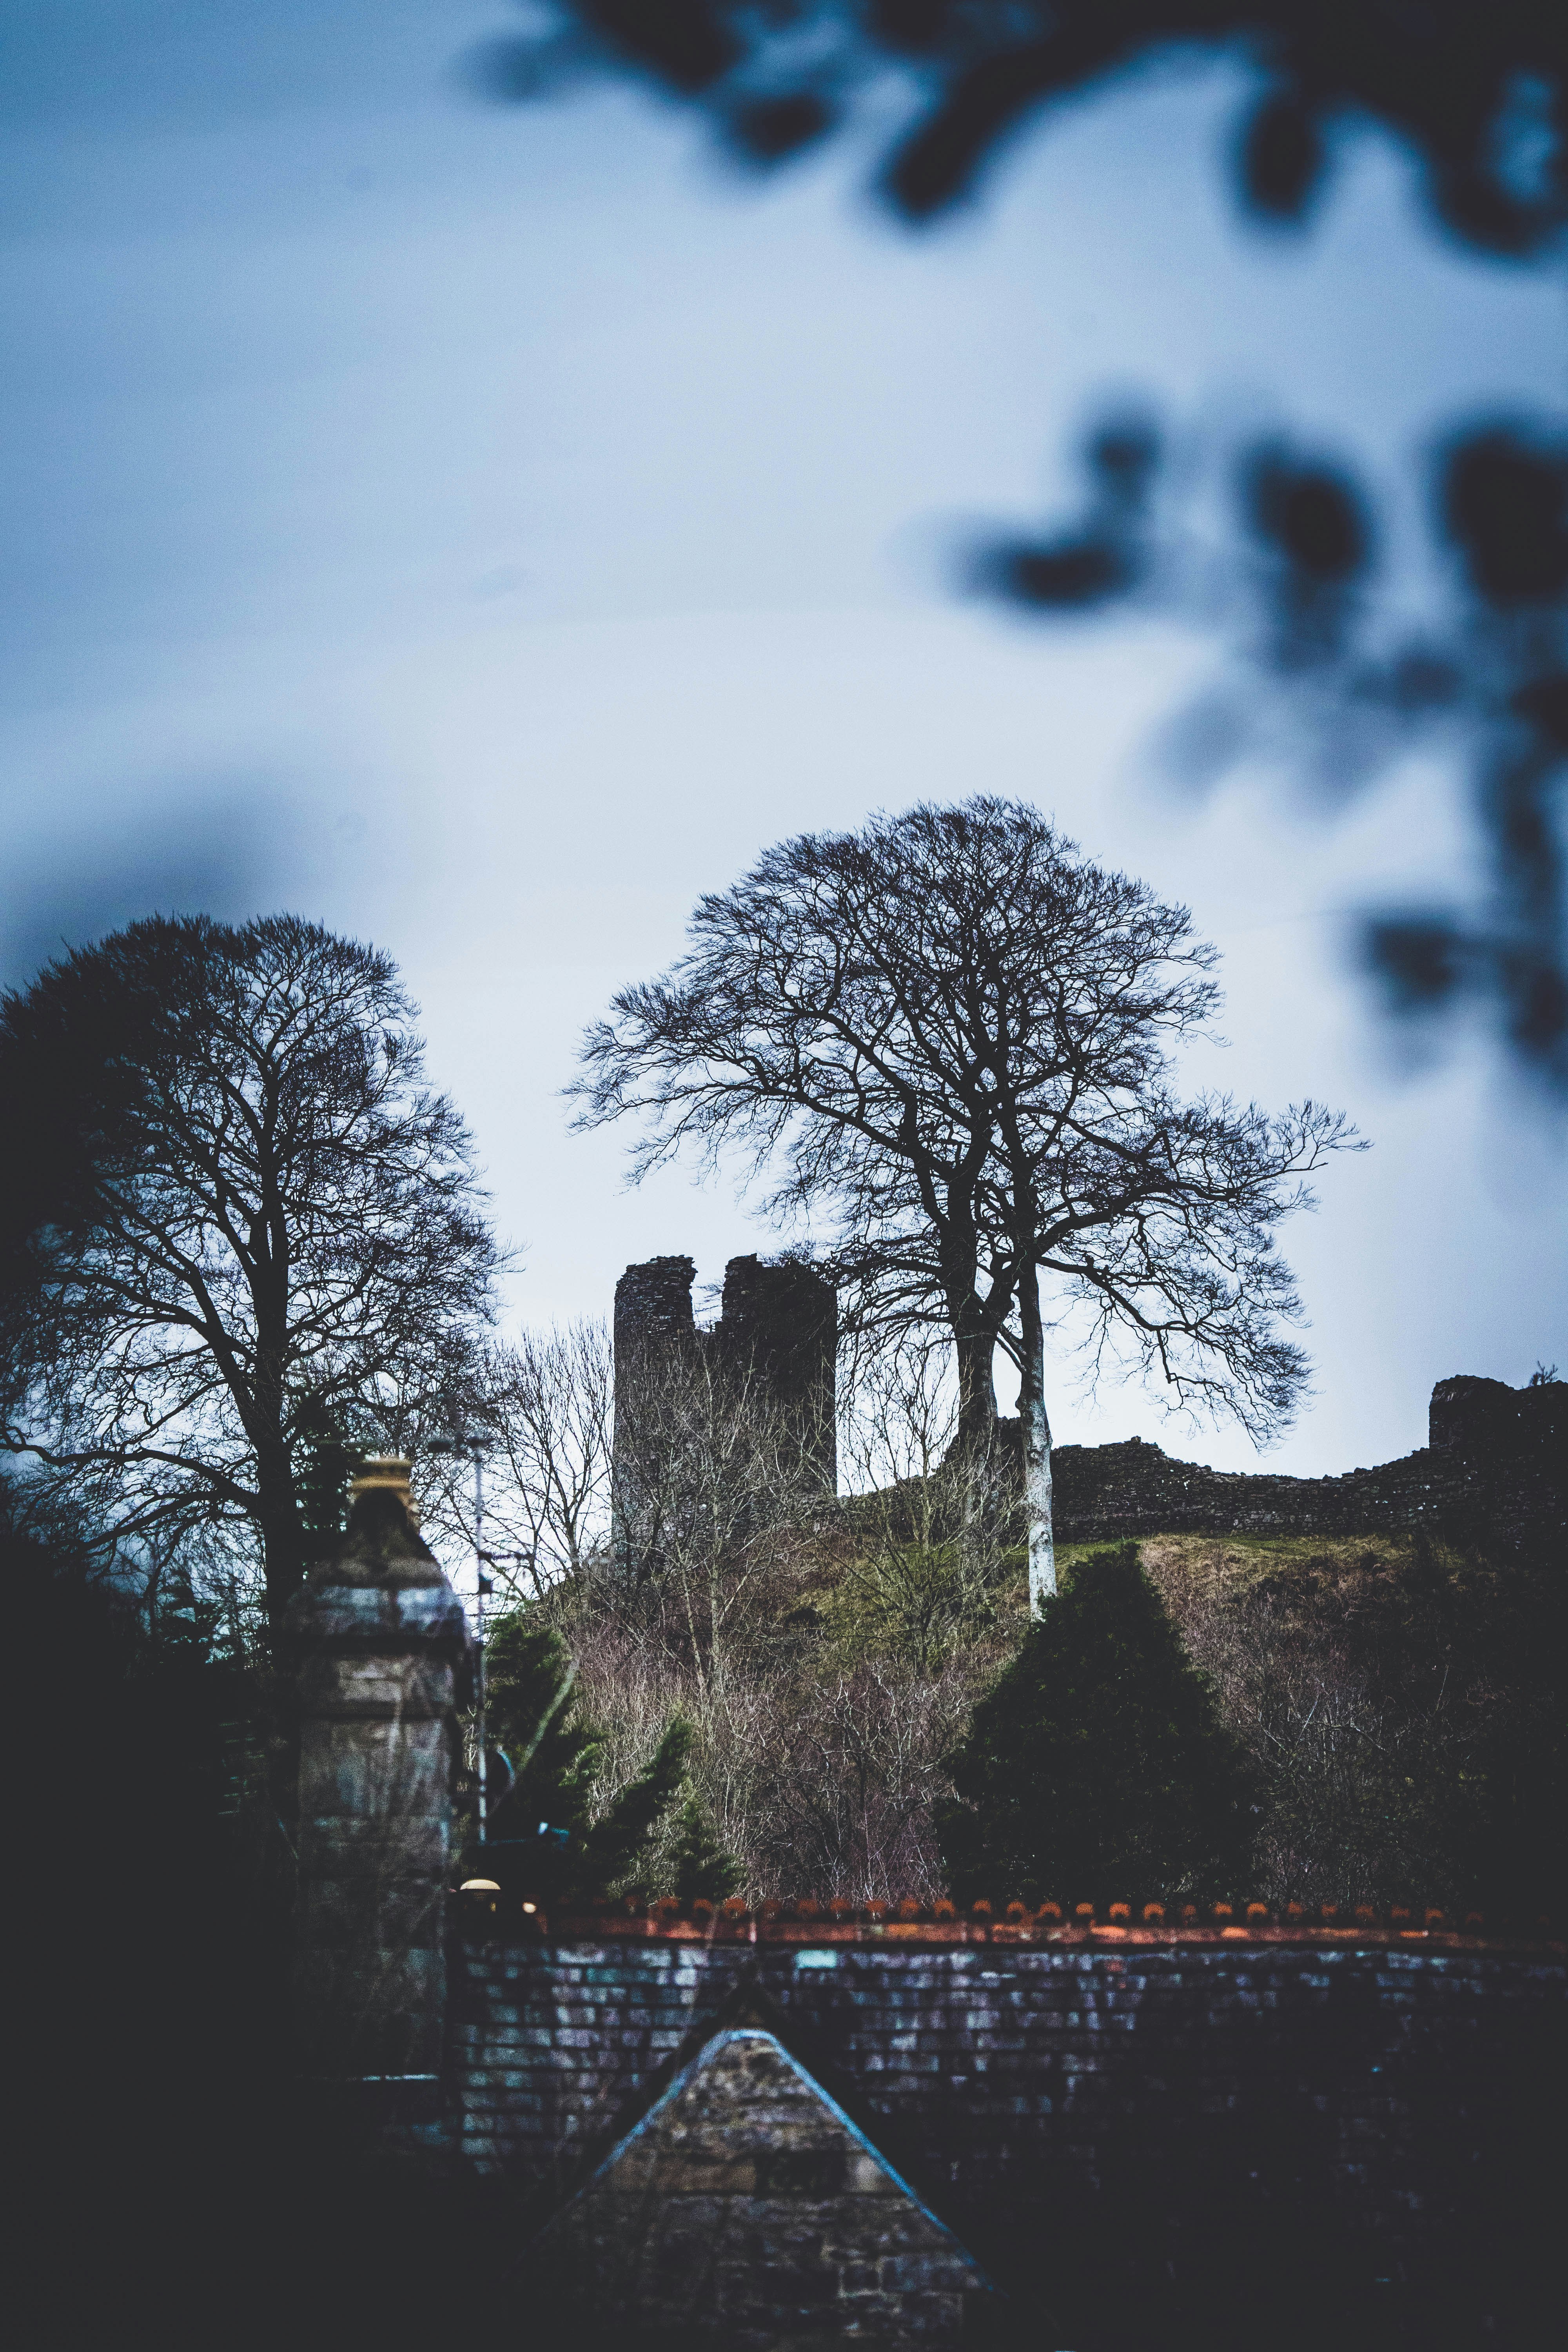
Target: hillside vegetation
{"type": "Point", "coordinates": [1402, 1700]}
{"type": "Point", "coordinates": [1399, 1702]}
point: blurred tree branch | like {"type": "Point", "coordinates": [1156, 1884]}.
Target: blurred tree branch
{"type": "Point", "coordinates": [1478, 99]}
{"type": "Point", "coordinates": [1477, 95]}
{"type": "Point", "coordinates": [1281, 556]}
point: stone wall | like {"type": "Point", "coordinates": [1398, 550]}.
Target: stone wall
{"type": "Point", "coordinates": [1494, 1464]}
{"type": "Point", "coordinates": [746, 2203]}
{"type": "Point", "coordinates": [1110, 2123]}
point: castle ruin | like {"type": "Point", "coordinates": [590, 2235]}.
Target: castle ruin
{"type": "Point", "coordinates": [1494, 1454]}
{"type": "Point", "coordinates": [778, 1328]}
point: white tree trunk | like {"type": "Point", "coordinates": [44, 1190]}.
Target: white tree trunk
{"type": "Point", "coordinates": [1036, 1430]}
{"type": "Point", "coordinates": [1038, 1502]}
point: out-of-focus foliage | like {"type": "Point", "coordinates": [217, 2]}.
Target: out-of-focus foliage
{"type": "Point", "coordinates": [1278, 550]}
{"type": "Point", "coordinates": [1098, 1769]}
{"type": "Point", "coordinates": [1478, 94]}
{"type": "Point", "coordinates": [1478, 98]}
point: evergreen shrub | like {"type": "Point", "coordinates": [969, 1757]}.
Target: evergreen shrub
{"type": "Point", "coordinates": [557, 1755]}
{"type": "Point", "coordinates": [1096, 1767]}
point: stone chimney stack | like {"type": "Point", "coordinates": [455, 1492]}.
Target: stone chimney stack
{"type": "Point", "coordinates": [383, 1658]}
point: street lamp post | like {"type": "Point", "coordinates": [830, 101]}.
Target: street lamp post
{"type": "Point", "coordinates": [484, 1586]}
{"type": "Point", "coordinates": [482, 1593]}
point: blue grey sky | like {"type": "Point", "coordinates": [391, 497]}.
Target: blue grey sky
{"type": "Point", "coordinates": [486, 529]}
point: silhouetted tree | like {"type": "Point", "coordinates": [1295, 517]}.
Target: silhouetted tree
{"type": "Point", "coordinates": [240, 1205]}
{"type": "Point", "coordinates": [541, 1407]}
{"type": "Point", "coordinates": [325, 1458]}
{"type": "Point", "coordinates": [952, 1033]}
{"type": "Point", "coordinates": [1096, 1767]}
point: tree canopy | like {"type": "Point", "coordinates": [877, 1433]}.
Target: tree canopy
{"type": "Point", "coordinates": [242, 1222]}
{"type": "Point", "coordinates": [952, 1032]}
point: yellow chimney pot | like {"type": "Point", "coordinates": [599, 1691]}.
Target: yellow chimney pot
{"type": "Point", "coordinates": [390, 1470]}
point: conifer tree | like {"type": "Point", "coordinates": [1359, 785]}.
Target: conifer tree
{"type": "Point", "coordinates": [701, 1867]}
{"type": "Point", "coordinates": [556, 1755]}
{"type": "Point", "coordinates": [1096, 1767]}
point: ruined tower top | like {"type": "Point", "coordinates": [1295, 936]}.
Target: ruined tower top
{"type": "Point", "coordinates": [778, 1320]}
{"type": "Point", "coordinates": [783, 1319]}
{"type": "Point", "coordinates": [652, 1303]}
{"type": "Point", "coordinates": [1481, 1421]}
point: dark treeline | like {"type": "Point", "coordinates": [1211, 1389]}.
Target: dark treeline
{"type": "Point", "coordinates": [173, 2161]}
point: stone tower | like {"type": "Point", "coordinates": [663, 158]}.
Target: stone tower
{"type": "Point", "coordinates": [779, 1322]}
{"type": "Point", "coordinates": [784, 1319]}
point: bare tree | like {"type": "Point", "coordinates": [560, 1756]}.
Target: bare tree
{"type": "Point", "coordinates": [1379, 1685]}
{"type": "Point", "coordinates": [825, 1654]}
{"type": "Point", "coordinates": [711, 1471]}
{"type": "Point", "coordinates": [954, 1033]}
{"type": "Point", "coordinates": [930, 1520]}
{"type": "Point", "coordinates": [543, 1408]}
{"type": "Point", "coordinates": [241, 1206]}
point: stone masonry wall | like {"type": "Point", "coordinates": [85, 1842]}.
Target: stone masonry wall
{"type": "Point", "coordinates": [1105, 2127]}
{"type": "Point", "coordinates": [1494, 1463]}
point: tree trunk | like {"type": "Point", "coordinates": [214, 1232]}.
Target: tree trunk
{"type": "Point", "coordinates": [282, 1538]}
{"type": "Point", "coordinates": [1036, 1435]}
{"type": "Point", "coordinates": [975, 1351]}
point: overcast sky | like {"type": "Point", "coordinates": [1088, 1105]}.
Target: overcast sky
{"type": "Point", "coordinates": [485, 530]}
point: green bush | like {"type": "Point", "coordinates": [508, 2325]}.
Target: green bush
{"type": "Point", "coordinates": [1096, 1769]}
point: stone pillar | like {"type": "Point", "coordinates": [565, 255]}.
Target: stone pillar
{"type": "Point", "coordinates": [383, 1658]}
